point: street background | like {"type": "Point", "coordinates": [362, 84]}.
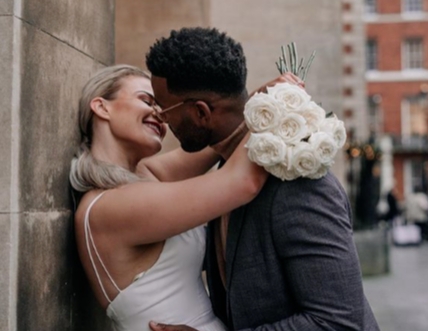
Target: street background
{"type": "Point", "coordinates": [400, 299]}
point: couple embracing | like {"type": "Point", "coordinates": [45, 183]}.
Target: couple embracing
{"type": "Point", "coordinates": [279, 255]}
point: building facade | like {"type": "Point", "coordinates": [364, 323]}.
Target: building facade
{"type": "Point", "coordinates": [397, 86]}
{"type": "Point", "coordinates": [354, 96]}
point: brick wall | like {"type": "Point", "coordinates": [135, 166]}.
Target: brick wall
{"type": "Point", "coordinates": [390, 37]}
{"type": "Point", "coordinates": [389, 6]}
{"type": "Point", "coordinates": [392, 94]}
{"type": "Point", "coordinates": [393, 6]}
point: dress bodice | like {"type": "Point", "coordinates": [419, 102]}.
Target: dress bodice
{"type": "Point", "coordinates": [171, 291]}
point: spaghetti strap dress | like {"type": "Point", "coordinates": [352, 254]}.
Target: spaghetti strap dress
{"type": "Point", "coordinates": [171, 291]}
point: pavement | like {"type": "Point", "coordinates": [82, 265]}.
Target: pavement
{"type": "Point", "coordinates": [400, 299]}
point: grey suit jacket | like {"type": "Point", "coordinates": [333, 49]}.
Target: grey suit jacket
{"type": "Point", "coordinates": [291, 263]}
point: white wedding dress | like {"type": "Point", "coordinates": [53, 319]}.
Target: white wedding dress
{"type": "Point", "coordinates": [171, 292]}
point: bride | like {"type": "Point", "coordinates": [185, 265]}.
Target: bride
{"type": "Point", "coordinates": [139, 222]}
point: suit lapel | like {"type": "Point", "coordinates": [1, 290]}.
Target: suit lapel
{"type": "Point", "coordinates": [236, 222]}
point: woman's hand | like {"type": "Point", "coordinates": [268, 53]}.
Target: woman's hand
{"type": "Point", "coordinates": [287, 77]}
{"type": "Point", "coordinates": [169, 327]}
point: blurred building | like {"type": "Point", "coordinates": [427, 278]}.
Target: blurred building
{"type": "Point", "coordinates": [385, 88]}
{"type": "Point", "coordinates": [355, 113]}
{"type": "Point", "coordinates": [397, 86]}
{"type": "Point", "coordinates": [354, 69]}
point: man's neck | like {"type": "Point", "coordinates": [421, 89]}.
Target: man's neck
{"type": "Point", "coordinates": [226, 147]}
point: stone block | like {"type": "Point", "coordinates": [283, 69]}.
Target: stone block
{"type": "Point", "coordinates": [373, 251]}
{"type": "Point", "coordinates": [6, 7]}
{"type": "Point", "coordinates": [52, 77]}
{"type": "Point", "coordinates": [6, 65]}
{"type": "Point", "coordinates": [5, 285]}
{"type": "Point", "coordinates": [85, 25]}
{"type": "Point", "coordinates": [52, 289]}
{"type": "Point", "coordinates": [269, 24]}
{"type": "Point", "coordinates": [146, 21]}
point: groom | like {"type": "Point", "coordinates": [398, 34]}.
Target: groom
{"type": "Point", "coordinates": [285, 261]}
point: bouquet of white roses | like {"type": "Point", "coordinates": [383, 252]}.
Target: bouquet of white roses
{"type": "Point", "coordinates": [291, 135]}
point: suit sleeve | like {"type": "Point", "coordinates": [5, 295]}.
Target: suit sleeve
{"type": "Point", "coordinates": [312, 234]}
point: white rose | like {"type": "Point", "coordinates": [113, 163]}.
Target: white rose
{"type": "Point", "coordinates": [336, 128]}
{"type": "Point", "coordinates": [261, 112]}
{"type": "Point", "coordinates": [265, 149]}
{"type": "Point", "coordinates": [314, 116]}
{"type": "Point", "coordinates": [305, 160]}
{"type": "Point", "coordinates": [292, 97]}
{"type": "Point", "coordinates": [324, 146]}
{"type": "Point", "coordinates": [292, 128]}
{"type": "Point", "coordinates": [282, 171]}
{"type": "Point", "coordinates": [321, 172]}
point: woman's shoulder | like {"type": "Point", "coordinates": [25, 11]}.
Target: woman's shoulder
{"type": "Point", "coordinates": [110, 196]}
{"type": "Point", "coordinates": [85, 202]}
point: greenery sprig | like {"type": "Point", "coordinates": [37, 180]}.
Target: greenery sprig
{"type": "Point", "coordinates": [293, 64]}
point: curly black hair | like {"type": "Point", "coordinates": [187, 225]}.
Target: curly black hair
{"type": "Point", "coordinates": [199, 59]}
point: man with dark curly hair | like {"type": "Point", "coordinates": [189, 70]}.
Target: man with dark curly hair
{"type": "Point", "coordinates": [203, 70]}
{"type": "Point", "coordinates": [286, 260]}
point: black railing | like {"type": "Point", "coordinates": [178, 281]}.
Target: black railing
{"type": "Point", "coordinates": [410, 144]}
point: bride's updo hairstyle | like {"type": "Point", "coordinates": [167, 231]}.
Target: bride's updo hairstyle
{"type": "Point", "coordinates": [86, 172]}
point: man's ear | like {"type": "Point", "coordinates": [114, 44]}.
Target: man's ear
{"type": "Point", "coordinates": [202, 113]}
{"type": "Point", "coordinates": [99, 107]}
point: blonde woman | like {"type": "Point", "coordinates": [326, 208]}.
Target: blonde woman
{"type": "Point", "coordinates": [140, 236]}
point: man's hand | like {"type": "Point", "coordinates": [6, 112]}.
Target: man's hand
{"type": "Point", "coordinates": [287, 77]}
{"type": "Point", "coordinates": [169, 327]}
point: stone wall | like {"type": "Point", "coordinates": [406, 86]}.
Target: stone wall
{"type": "Point", "coordinates": [48, 49]}
{"type": "Point", "coordinates": [140, 22]}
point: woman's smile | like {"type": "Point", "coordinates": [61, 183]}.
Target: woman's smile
{"type": "Point", "coordinates": [156, 127]}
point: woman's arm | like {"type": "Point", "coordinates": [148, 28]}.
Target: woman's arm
{"type": "Point", "coordinates": [178, 165]}
{"type": "Point", "coordinates": [148, 212]}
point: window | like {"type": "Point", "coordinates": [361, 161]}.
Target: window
{"type": "Point", "coordinates": [413, 57]}
{"type": "Point", "coordinates": [348, 92]}
{"type": "Point", "coordinates": [348, 49]}
{"type": "Point", "coordinates": [371, 6]}
{"type": "Point", "coordinates": [347, 27]}
{"type": "Point", "coordinates": [418, 117]}
{"type": "Point", "coordinates": [346, 6]}
{"type": "Point", "coordinates": [415, 175]}
{"type": "Point", "coordinates": [414, 117]}
{"type": "Point", "coordinates": [348, 70]}
{"type": "Point", "coordinates": [414, 122]}
{"type": "Point", "coordinates": [413, 5]}
{"type": "Point", "coordinates": [374, 114]}
{"type": "Point", "coordinates": [371, 54]}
